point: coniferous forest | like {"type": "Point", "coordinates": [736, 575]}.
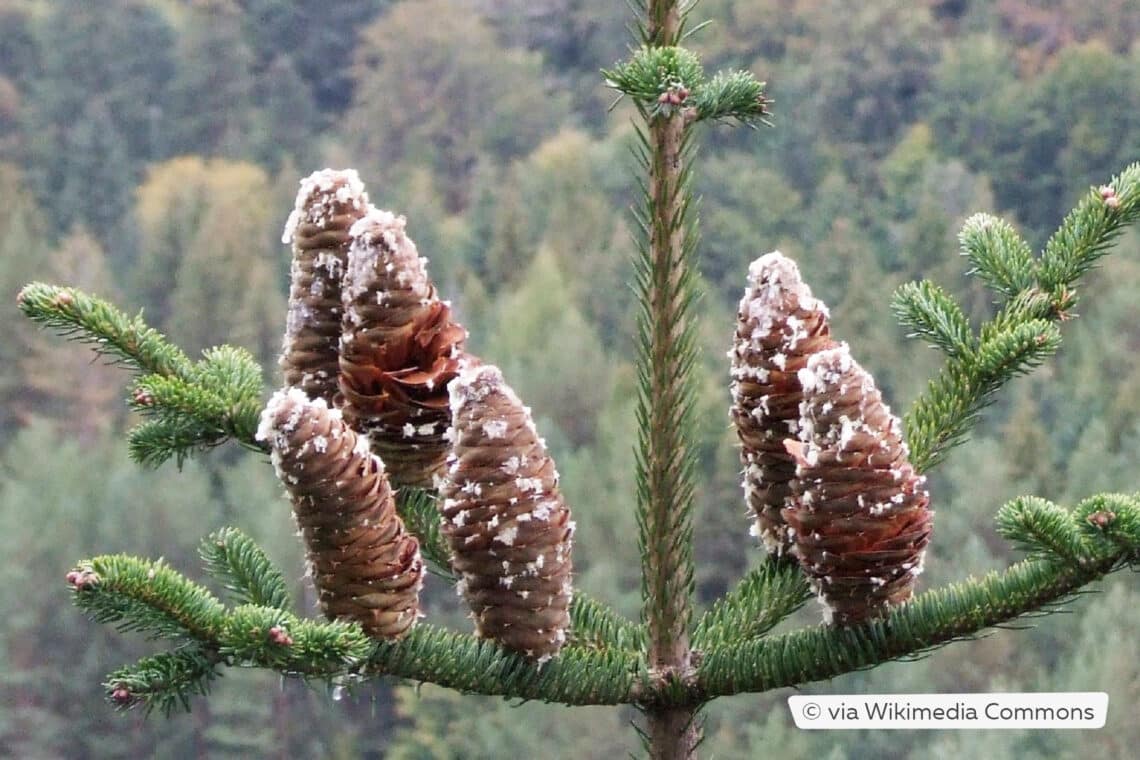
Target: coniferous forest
{"type": "Point", "coordinates": [150, 151]}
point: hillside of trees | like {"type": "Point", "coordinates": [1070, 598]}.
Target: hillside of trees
{"type": "Point", "coordinates": [150, 151]}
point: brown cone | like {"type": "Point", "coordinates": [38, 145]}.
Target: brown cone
{"type": "Point", "coordinates": [400, 348]}
{"type": "Point", "coordinates": [779, 326]}
{"type": "Point", "coordinates": [505, 519]}
{"type": "Point", "coordinates": [859, 511]}
{"type": "Point", "coordinates": [365, 565]}
{"type": "Point", "coordinates": [328, 204]}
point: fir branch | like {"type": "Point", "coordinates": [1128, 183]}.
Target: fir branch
{"type": "Point", "coordinates": [75, 314]}
{"type": "Point", "coordinates": [933, 314]}
{"type": "Point", "coordinates": [164, 681]}
{"type": "Point", "coordinates": [220, 400]}
{"type": "Point", "coordinates": [998, 254]}
{"type": "Point", "coordinates": [1042, 529]}
{"type": "Point", "coordinates": [1111, 522]}
{"type": "Point", "coordinates": [761, 600]}
{"type": "Point", "coordinates": [942, 417]}
{"type": "Point", "coordinates": [660, 80]}
{"type": "Point", "coordinates": [733, 95]}
{"type": "Point", "coordinates": [1089, 230]}
{"type": "Point", "coordinates": [420, 512]}
{"type": "Point", "coordinates": [143, 595]}
{"type": "Point", "coordinates": [266, 637]}
{"type": "Point", "coordinates": [593, 625]}
{"type": "Point", "coordinates": [153, 442]}
{"type": "Point", "coordinates": [666, 459]}
{"type": "Point", "coordinates": [930, 621]}
{"type": "Point", "coordinates": [1022, 334]}
{"type": "Point", "coordinates": [232, 374]}
{"type": "Point", "coordinates": [193, 407]}
{"type": "Point", "coordinates": [244, 569]}
{"type": "Point", "coordinates": [577, 676]}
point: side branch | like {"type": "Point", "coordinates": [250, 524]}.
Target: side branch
{"type": "Point", "coordinates": [932, 620]}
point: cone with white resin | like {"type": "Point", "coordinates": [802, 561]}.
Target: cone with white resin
{"type": "Point", "coordinates": [400, 347]}
{"type": "Point", "coordinates": [779, 326]}
{"type": "Point", "coordinates": [365, 565]}
{"type": "Point", "coordinates": [504, 517]}
{"type": "Point", "coordinates": [859, 512]}
{"type": "Point", "coordinates": [328, 204]}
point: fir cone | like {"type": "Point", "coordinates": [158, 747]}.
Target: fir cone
{"type": "Point", "coordinates": [859, 511]}
{"type": "Point", "coordinates": [366, 567]}
{"type": "Point", "coordinates": [328, 204]}
{"type": "Point", "coordinates": [505, 519]}
{"type": "Point", "coordinates": [400, 347]}
{"type": "Point", "coordinates": [779, 326]}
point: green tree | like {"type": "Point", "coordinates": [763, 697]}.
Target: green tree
{"type": "Point", "coordinates": [23, 246]}
{"type": "Point", "coordinates": [318, 39]}
{"type": "Point", "coordinates": [83, 409]}
{"type": "Point", "coordinates": [198, 219]}
{"type": "Point", "coordinates": [213, 98]}
{"type": "Point", "coordinates": [433, 88]}
{"type": "Point", "coordinates": [96, 106]}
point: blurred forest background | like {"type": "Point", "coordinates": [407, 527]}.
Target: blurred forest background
{"type": "Point", "coordinates": [150, 151]}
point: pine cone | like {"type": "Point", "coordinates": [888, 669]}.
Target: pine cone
{"type": "Point", "coordinates": [399, 349]}
{"type": "Point", "coordinates": [859, 511]}
{"type": "Point", "coordinates": [365, 565]}
{"type": "Point", "coordinates": [779, 326]}
{"type": "Point", "coordinates": [505, 519]}
{"type": "Point", "coordinates": [328, 204]}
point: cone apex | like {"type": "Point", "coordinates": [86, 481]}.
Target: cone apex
{"type": "Point", "coordinates": [323, 195]}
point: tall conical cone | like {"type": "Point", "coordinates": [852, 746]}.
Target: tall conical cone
{"type": "Point", "coordinates": [859, 512]}
{"type": "Point", "coordinates": [779, 326]}
{"type": "Point", "coordinates": [328, 204]}
{"type": "Point", "coordinates": [365, 565]}
{"type": "Point", "coordinates": [505, 519]}
{"type": "Point", "coordinates": [400, 347]}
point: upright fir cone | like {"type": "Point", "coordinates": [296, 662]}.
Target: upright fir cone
{"type": "Point", "coordinates": [859, 511]}
{"type": "Point", "coordinates": [328, 204]}
{"type": "Point", "coordinates": [779, 326]}
{"type": "Point", "coordinates": [400, 347]}
{"type": "Point", "coordinates": [365, 565]}
{"type": "Point", "coordinates": [505, 519]}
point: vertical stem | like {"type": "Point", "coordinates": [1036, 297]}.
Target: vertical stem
{"type": "Point", "coordinates": [666, 455]}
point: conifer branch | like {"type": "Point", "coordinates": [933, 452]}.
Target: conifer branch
{"type": "Point", "coordinates": [999, 255]}
{"type": "Point", "coordinates": [147, 596]}
{"type": "Point", "coordinates": [1024, 332]}
{"type": "Point", "coordinates": [577, 676]}
{"type": "Point", "coordinates": [594, 625]}
{"type": "Point", "coordinates": [759, 602]}
{"type": "Point", "coordinates": [74, 314]}
{"type": "Point", "coordinates": [931, 620]}
{"type": "Point", "coordinates": [1062, 562]}
{"type": "Point", "coordinates": [420, 512]}
{"type": "Point", "coordinates": [1042, 529]}
{"type": "Point", "coordinates": [933, 314]}
{"type": "Point", "coordinates": [244, 569]}
{"type": "Point", "coordinates": [665, 458]}
{"type": "Point", "coordinates": [192, 407]}
{"type": "Point", "coordinates": [1087, 233]}
{"type": "Point", "coordinates": [164, 681]}
{"type": "Point", "coordinates": [732, 95]}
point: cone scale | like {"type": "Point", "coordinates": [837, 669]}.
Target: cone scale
{"type": "Point", "coordinates": [400, 347]}
{"type": "Point", "coordinates": [365, 565]}
{"type": "Point", "coordinates": [780, 325]}
{"type": "Point", "coordinates": [505, 519]}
